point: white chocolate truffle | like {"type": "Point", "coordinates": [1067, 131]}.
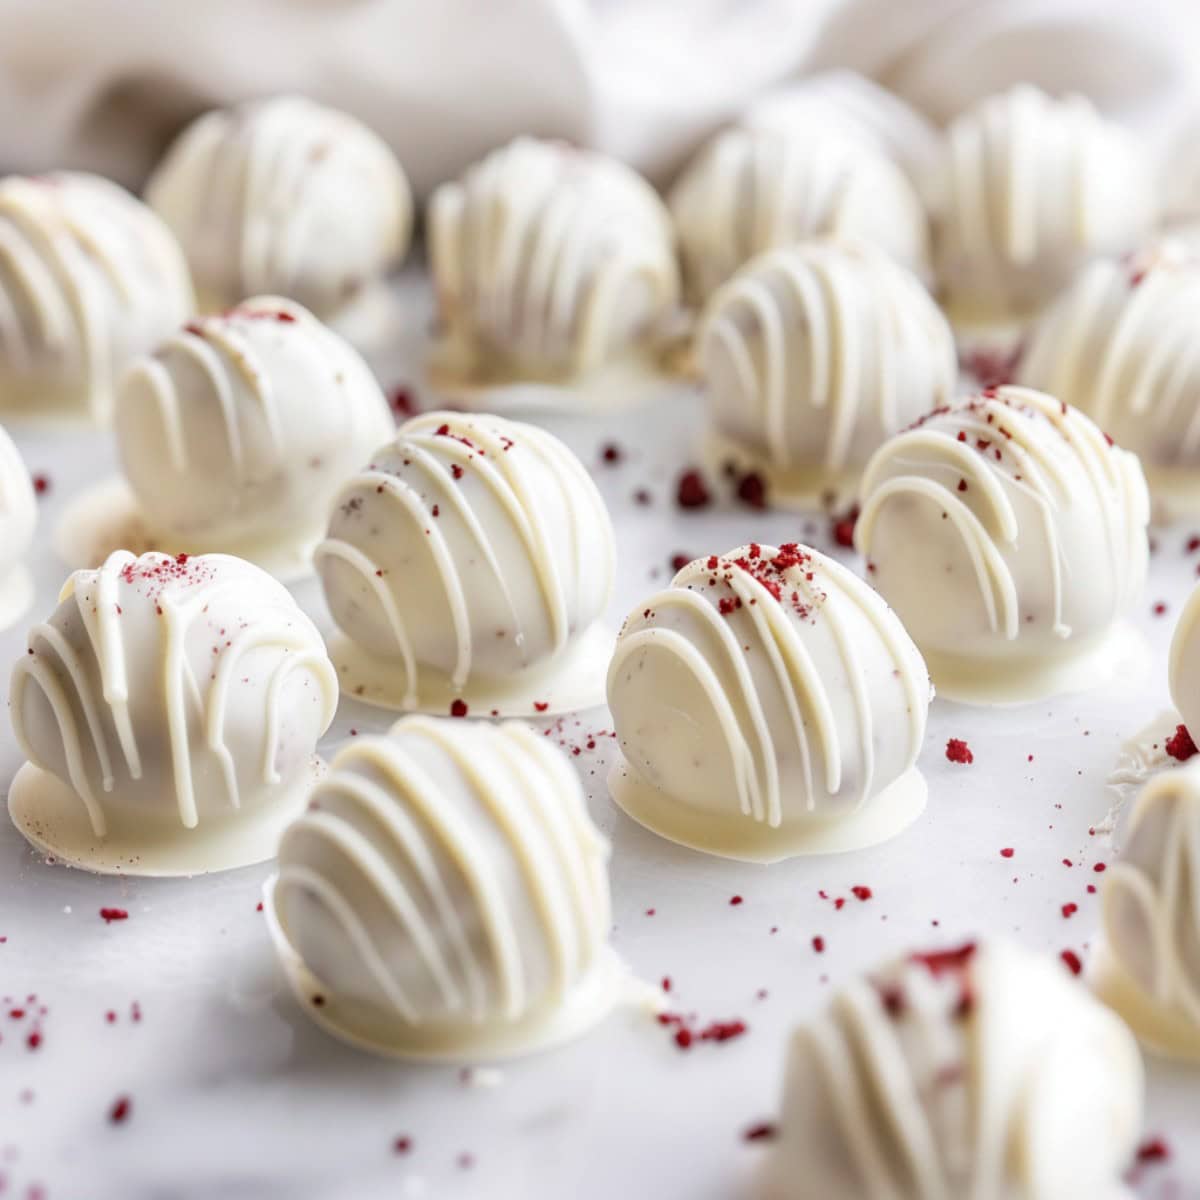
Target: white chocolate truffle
{"type": "Point", "coordinates": [977, 1071]}
{"type": "Point", "coordinates": [1122, 345]}
{"type": "Point", "coordinates": [853, 108]}
{"type": "Point", "coordinates": [1151, 968]}
{"type": "Point", "coordinates": [1027, 190]}
{"type": "Point", "coordinates": [18, 520]}
{"type": "Point", "coordinates": [1184, 663]}
{"type": "Point", "coordinates": [286, 197]}
{"type": "Point", "coordinates": [170, 709]}
{"type": "Point", "coordinates": [89, 277]}
{"type": "Point", "coordinates": [472, 556]}
{"type": "Point", "coordinates": [236, 433]}
{"type": "Point", "coordinates": [549, 263]}
{"type": "Point", "coordinates": [446, 894]}
{"type": "Point", "coordinates": [753, 190]}
{"type": "Point", "coordinates": [1009, 534]}
{"type": "Point", "coordinates": [814, 355]}
{"type": "Point", "coordinates": [768, 703]}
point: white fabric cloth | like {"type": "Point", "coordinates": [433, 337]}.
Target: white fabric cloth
{"type": "Point", "coordinates": [103, 84]}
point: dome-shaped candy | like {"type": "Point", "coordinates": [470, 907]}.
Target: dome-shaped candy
{"type": "Point", "coordinates": [549, 264]}
{"type": "Point", "coordinates": [1029, 188]}
{"type": "Point", "coordinates": [89, 277]}
{"type": "Point", "coordinates": [752, 190]}
{"type": "Point", "coordinates": [1009, 534]}
{"type": "Point", "coordinates": [18, 519]}
{"type": "Point", "coordinates": [467, 563]}
{"type": "Point", "coordinates": [284, 196]}
{"type": "Point", "coordinates": [1122, 345]}
{"type": "Point", "coordinates": [977, 1071]}
{"type": "Point", "coordinates": [768, 703]}
{"type": "Point", "coordinates": [1151, 969]}
{"type": "Point", "coordinates": [236, 433]}
{"type": "Point", "coordinates": [170, 709]}
{"type": "Point", "coordinates": [813, 355]}
{"type": "Point", "coordinates": [446, 894]}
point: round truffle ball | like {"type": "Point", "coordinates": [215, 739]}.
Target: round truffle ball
{"type": "Point", "coordinates": [1122, 344]}
{"type": "Point", "coordinates": [813, 355]}
{"type": "Point", "coordinates": [89, 278]}
{"type": "Point", "coordinates": [1028, 188]}
{"type": "Point", "coordinates": [471, 549]}
{"type": "Point", "coordinates": [768, 703]}
{"type": "Point", "coordinates": [284, 196]}
{"type": "Point", "coordinates": [981, 1070]}
{"type": "Point", "coordinates": [1152, 914]}
{"type": "Point", "coordinates": [750, 190]}
{"type": "Point", "coordinates": [239, 429]}
{"type": "Point", "coordinates": [18, 519]}
{"type": "Point", "coordinates": [548, 263]}
{"type": "Point", "coordinates": [1009, 534]}
{"type": "Point", "coordinates": [177, 703]}
{"type": "Point", "coordinates": [446, 894]}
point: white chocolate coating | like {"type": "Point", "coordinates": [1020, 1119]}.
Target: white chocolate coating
{"type": "Point", "coordinates": [471, 547]}
{"type": "Point", "coordinates": [284, 197]}
{"type": "Point", "coordinates": [549, 263]}
{"type": "Point", "coordinates": [1009, 535]}
{"type": "Point", "coordinates": [239, 429]}
{"type": "Point", "coordinates": [89, 277]}
{"type": "Point", "coordinates": [752, 190]}
{"type": "Point", "coordinates": [447, 893]}
{"type": "Point", "coordinates": [813, 355]}
{"type": "Point", "coordinates": [18, 520]}
{"type": "Point", "coordinates": [765, 696]}
{"type": "Point", "coordinates": [174, 698]}
{"type": "Point", "coordinates": [1027, 190]}
{"type": "Point", "coordinates": [1152, 915]}
{"type": "Point", "coordinates": [1122, 345]}
{"type": "Point", "coordinates": [980, 1072]}
{"type": "Point", "coordinates": [852, 107]}
{"type": "Point", "coordinates": [1183, 669]}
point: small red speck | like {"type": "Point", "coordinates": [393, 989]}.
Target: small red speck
{"type": "Point", "coordinates": [842, 528]}
{"type": "Point", "coordinates": [1073, 961]}
{"type": "Point", "coordinates": [1159, 609]}
{"type": "Point", "coordinates": [458, 708]}
{"type": "Point", "coordinates": [962, 485]}
{"type": "Point", "coordinates": [611, 453]}
{"type": "Point", "coordinates": [1007, 852]}
{"type": "Point", "coordinates": [401, 1145]}
{"type": "Point", "coordinates": [679, 561]}
{"type": "Point", "coordinates": [1099, 868]}
{"type": "Point", "coordinates": [642, 497]}
{"type": "Point", "coordinates": [402, 401]}
{"type": "Point", "coordinates": [1069, 909]}
{"type": "Point", "coordinates": [957, 751]}
{"type": "Point", "coordinates": [752, 490]}
{"type": "Point", "coordinates": [818, 944]}
{"type": "Point", "coordinates": [651, 911]}
{"type": "Point", "coordinates": [1193, 543]}
{"type": "Point", "coordinates": [765, 1131]}
{"type": "Point", "coordinates": [692, 491]}
{"type": "Point", "coordinates": [466, 1162]}
{"type": "Point", "coordinates": [541, 705]}
{"type": "Point", "coordinates": [34, 1040]}
{"type": "Point", "coordinates": [120, 1110]}
{"type": "Point", "coordinates": [862, 893]}
{"type": "Point", "coordinates": [1180, 745]}
{"type": "Point", "coordinates": [666, 983]}
{"type": "Point", "coordinates": [1153, 1150]}
{"type": "Point", "coordinates": [735, 900]}
{"type": "Point", "coordinates": [110, 915]}
{"type": "Point", "coordinates": [41, 484]}
{"type": "Point", "coordinates": [683, 1038]}
{"type": "Point", "coordinates": [258, 907]}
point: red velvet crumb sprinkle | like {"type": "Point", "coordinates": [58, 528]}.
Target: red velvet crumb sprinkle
{"type": "Point", "coordinates": [109, 915]}
{"type": "Point", "coordinates": [41, 484]}
{"type": "Point", "coordinates": [860, 892]}
{"type": "Point", "coordinates": [458, 708]}
{"type": "Point", "coordinates": [1072, 960]}
{"type": "Point", "coordinates": [957, 751]}
{"type": "Point", "coordinates": [764, 1131]}
{"type": "Point", "coordinates": [1007, 852]}
{"type": "Point", "coordinates": [692, 491]}
{"type": "Point", "coordinates": [120, 1110]}
{"type": "Point", "coordinates": [1180, 745]}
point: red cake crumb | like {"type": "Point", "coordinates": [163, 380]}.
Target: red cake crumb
{"type": "Point", "coordinates": [842, 528]}
{"type": "Point", "coordinates": [957, 751]}
{"type": "Point", "coordinates": [611, 453]}
{"type": "Point", "coordinates": [692, 491]}
{"type": "Point", "coordinates": [458, 708]}
{"type": "Point", "coordinates": [764, 1131]}
{"type": "Point", "coordinates": [735, 900]}
{"type": "Point", "coordinates": [401, 1145]}
{"type": "Point", "coordinates": [120, 1110]}
{"type": "Point", "coordinates": [1180, 745]}
{"type": "Point", "coordinates": [1007, 852]}
{"type": "Point", "coordinates": [818, 944]}
{"type": "Point", "coordinates": [1073, 962]}
{"type": "Point", "coordinates": [41, 483]}
{"type": "Point", "coordinates": [861, 892]}
{"type": "Point", "coordinates": [402, 401]}
{"type": "Point", "coordinates": [752, 490]}
{"type": "Point", "coordinates": [1069, 910]}
{"type": "Point", "coordinates": [1153, 1150]}
{"type": "Point", "coordinates": [109, 915]}
{"type": "Point", "coordinates": [1159, 609]}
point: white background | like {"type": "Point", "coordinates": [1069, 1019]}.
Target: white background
{"type": "Point", "coordinates": [235, 1094]}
